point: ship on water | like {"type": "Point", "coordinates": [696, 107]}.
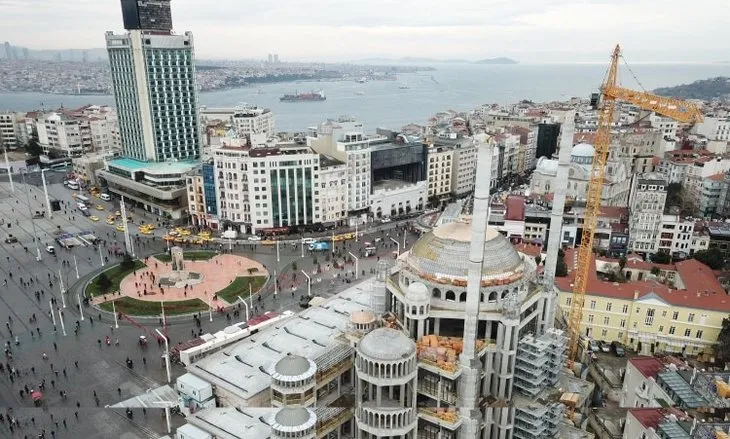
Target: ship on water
{"type": "Point", "coordinates": [304, 97]}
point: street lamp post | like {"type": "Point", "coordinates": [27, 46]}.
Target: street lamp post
{"type": "Point", "coordinates": [60, 318]}
{"type": "Point", "coordinates": [30, 212]}
{"type": "Point", "coordinates": [7, 166]}
{"type": "Point", "coordinates": [114, 310]}
{"type": "Point", "coordinates": [278, 259]}
{"type": "Point", "coordinates": [276, 285]}
{"type": "Point", "coordinates": [45, 191]}
{"type": "Point", "coordinates": [210, 308]}
{"type": "Point", "coordinates": [167, 354]}
{"type": "Point", "coordinates": [302, 244]}
{"type": "Point", "coordinates": [245, 305]}
{"type": "Point", "coordinates": [81, 309]}
{"type": "Point", "coordinates": [127, 239]}
{"type": "Point", "coordinates": [53, 315]}
{"type": "Point", "coordinates": [63, 289]}
{"type": "Point", "coordinates": [396, 243]}
{"type": "Point", "coordinates": [250, 295]}
{"type": "Point", "coordinates": [101, 257]}
{"type": "Point", "coordinates": [309, 283]}
{"type": "Point", "coordinates": [357, 265]}
{"type": "Point", "coordinates": [76, 264]}
{"type": "Point", "coordinates": [162, 306]}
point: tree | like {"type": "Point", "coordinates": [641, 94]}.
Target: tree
{"type": "Point", "coordinates": [712, 258]}
{"type": "Point", "coordinates": [655, 270]}
{"type": "Point", "coordinates": [127, 262]}
{"type": "Point", "coordinates": [103, 283]}
{"type": "Point", "coordinates": [33, 147]}
{"type": "Point", "coordinates": [722, 348]}
{"type": "Point", "coordinates": [675, 196]}
{"type": "Point", "coordinates": [661, 258]}
{"type": "Point", "coordinates": [622, 262]}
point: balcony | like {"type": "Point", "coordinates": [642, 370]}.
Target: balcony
{"type": "Point", "coordinates": [446, 418]}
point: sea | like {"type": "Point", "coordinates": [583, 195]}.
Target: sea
{"type": "Point", "coordinates": [414, 97]}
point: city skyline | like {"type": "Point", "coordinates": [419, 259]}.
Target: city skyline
{"type": "Point", "coordinates": [531, 32]}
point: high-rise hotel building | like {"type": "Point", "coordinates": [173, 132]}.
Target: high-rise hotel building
{"type": "Point", "coordinates": [153, 76]}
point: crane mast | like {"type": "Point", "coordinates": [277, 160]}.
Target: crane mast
{"type": "Point", "coordinates": [610, 92]}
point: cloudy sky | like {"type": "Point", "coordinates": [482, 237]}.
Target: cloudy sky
{"type": "Point", "coordinates": [336, 30]}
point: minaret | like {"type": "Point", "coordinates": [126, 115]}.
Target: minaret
{"type": "Point", "coordinates": [471, 367]}
{"type": "Point", "coordinates": [556, 223]}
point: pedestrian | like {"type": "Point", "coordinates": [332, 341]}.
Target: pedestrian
{"type": "Point", "coordinates": [64, 372]}
{"type": "Point", "coordinates": [55, 346]}
{"type": "Point", "coordinates": [119, 391]}
{"type": "Point", "coordinates": [76, 414]}
{"type": "Point", "coordinates": [144, 360]}
{"type": "Point", "coordinates": [76, 363]}
{"type": "Point", "coordinates": [64, 423]}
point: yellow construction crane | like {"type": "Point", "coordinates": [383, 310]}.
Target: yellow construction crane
{"type": "Point", "coordinates": [681, 111]}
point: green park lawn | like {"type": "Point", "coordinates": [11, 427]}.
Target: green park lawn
{"type": "Point", "coordinates": [239, 287]}
{"type": "Point", "coordinates": [134, 307]}
{"type": "Point", "coordinates": [115, 276]}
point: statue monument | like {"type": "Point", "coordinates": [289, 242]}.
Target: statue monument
{"type": "Point", "coordinates": [176, 253]}
{"type": "Point", "coordinates": [179, 277]}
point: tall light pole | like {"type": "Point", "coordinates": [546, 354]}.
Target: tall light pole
{"type": "Point", "coordinates": [278, 259]}
{"type": "Point", "coordinates": [114, 310]}
{"type": "Point", "coordinates": [7, 166]}
{"type": "Point", "coordinates": [396, 243]}
{"type": "Point", "coordinates": [210, 308]}
{"type": "Point", "coordinates": [276, 285]}
{"type": "Point", "coordinates": [250, 295]}
{"type": "Point", "coordinates": [309, 283]}
{"type": "Point", "coordinates": [76, 264]}
{"type": "Point", "coordinates": [127, 240]}
{"type": "Point", "coordinates": [101, 257]}
{"type": "Point", "coordinates": [356, 223]}
{"type": "Point", "coordinates": [167, 354]}
{"type": "Point", "coordinates": [45, 191]}
{"type": "Point", "coordinates": [81, 309]}
{"type": "Point", "coordinates": [60, 318]}
{"type": "Point", "coordinates": [245, 305]}
{"type": "Point", "coordinates": [30, 212]}
{"type": "Point", "coordinates": [357, 265]}
{"type": "Point", "coordinates": [53, 315]}
{"type": "Point", "coordinates": [302, 244]}
{"type": "Point", "coordinates": [63, 289]}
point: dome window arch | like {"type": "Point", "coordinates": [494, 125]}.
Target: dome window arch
{"type": "Point", "coordinates": [450, 296]}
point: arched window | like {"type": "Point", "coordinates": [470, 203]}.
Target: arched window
{"type": "Point", "coordinates": [451, 296]}
{"type": "Point", "coordinates": [505, 293]}
{"type": "Point", "coordinates": [436, 293]}
{"type": "Point", "coordinates": [493, 296]}
{"type": "Point", "coordinates": [462, 297]}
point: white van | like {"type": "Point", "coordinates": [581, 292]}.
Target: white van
{"type": "Point", "coordinates": [105, 197]}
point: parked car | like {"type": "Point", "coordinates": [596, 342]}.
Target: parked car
{"type": "Point", "coordinates": [618, 349]}
{"type": "Point", "coordinates": [254, 238]}
{"type": "Point", "coordinates": [593, 346]}
{"type": "Point", "coordinates": [51, 249]}
{"type": "Point", "coordinates": [385, 220]}
{"type": "Point", "coordinates": [11, 239]}
{"type": "Point", "coordinates": [605, 346]}
{"type": "Point", "coordinates": [308, 240]}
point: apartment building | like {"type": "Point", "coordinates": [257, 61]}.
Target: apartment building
{"type": "Point", "coordinates": [714, 127]}
{"type": "Point", "coordinates": [648, 196]}
{"type": "Point", "coordinates": [439, 171]}
{"type": "Point", "coordinates": [11, 135]}
{"type": "Point", "coordinates": [60, 135]}
{"type": "Point", "coordinates": [682, 315]}
{"type": "Point", "coordinates": [202, 194]}
{"type": "Point", "coordinates": [463, 171]}
{"type": "Point", "coordinates": [346, 141]}
{"type": "Point", "coordinates": [676, 236]}
{"type": "Point", "coordinates": [255, 123]}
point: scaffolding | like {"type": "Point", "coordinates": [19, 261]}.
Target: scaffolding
{"type": "Point", "coordinates": [539, 361]}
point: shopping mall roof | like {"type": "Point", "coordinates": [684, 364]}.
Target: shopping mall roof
{"type": "Point", "coordinates": [132, 165]}
{"type": "Point", "coordinates": [242, 368]}
{"type": "Point", "coordinates": [235, 423]}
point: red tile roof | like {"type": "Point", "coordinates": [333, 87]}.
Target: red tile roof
{"type": "Point", "coordinates": [647, 366]}
{"type": "Point", "coordinates": [703, 290]}
{"type": "Point", "coordinates": [529, 249]}
{"type": "Point", "coordinates": [651, 418]}
{"type": "Point", "coordinates": [717, 177]}
{"type": "Point", "coordinates": [515, 208]}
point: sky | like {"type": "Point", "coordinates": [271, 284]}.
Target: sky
{"type": "Point", "coordinates": [530, 31]}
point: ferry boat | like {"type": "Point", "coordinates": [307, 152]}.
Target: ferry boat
{"type": "Point", "coordinates": [304, 97]}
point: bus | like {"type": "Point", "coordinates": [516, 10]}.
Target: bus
{"type": "Point", "coordinates": [82, 199]}
{"type": "Point", "coordinates": [73, 185]}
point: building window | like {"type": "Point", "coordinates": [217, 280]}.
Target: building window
{"type": "Point", "coordinates": [691, 317]}
{"type": "Point", "coordinates": [568, 300]}
{"type": "Point", "coordinates": [623, 323]}
{"type": "Point", "coordinates": [699, 333]}
{"type": "Point", "coordinates": [687, 332]}
{"type": "Point", "coordinates": [649, 320]}
{"type": "Point", "coordinates": [604, 332]}
{"type": "Point", "coordinates": [675, 315]}
{"type": "Point", "coordinates": [625, 309]}
{"type": "Point", "coordinates": [606, 320]}
{"type": "Point", "coordinates": [671, 330]}
{"type": "Point", "coordinates": [593, 304]}
{"type": "Point", "coordinates": [608, 306]}
{"type": "Point", "coordinates": [590, 318]}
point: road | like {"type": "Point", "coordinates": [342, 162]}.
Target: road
{"type": "Point", "coordinates": [102, 369]}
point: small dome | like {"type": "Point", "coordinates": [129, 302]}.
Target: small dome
{"type": "Point", "coordinates": [362, 317]}
{"type": "Point", "coordinates": [293, 366]}
{"type": "Point", "coordinates": [547, 166]}
{"type": "Point", "coordinates": [387, 344]}
{"type": "Point", "coordinates": [294, 418]}
{"type": "Point", "coordinates": [417, 293]}
{"type": "Point", "coordinates": [583, 150]}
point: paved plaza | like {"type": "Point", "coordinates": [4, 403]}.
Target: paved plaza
{"type": "Point", "coordinates": [29, 286]}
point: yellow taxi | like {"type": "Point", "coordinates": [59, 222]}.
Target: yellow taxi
{"type": "Point", "coordinates": [99, 207]}
{"type": "Point", "coordinates": [94, 218]}
{"type": "Point", "coordinates": [120, 228]}
{"type": "Point", "coordinates": [118, 213]}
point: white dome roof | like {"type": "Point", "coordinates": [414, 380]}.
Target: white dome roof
{"type": "Point", "coordinates": [583, 150]}
{"type": "Point", "coordinates": [547, 166]}
{"type": "Point", "coordinates": [417, 293]}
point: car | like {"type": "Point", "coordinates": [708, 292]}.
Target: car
{"type": "Point", "coordinates": [385, 220]}
{"type": "Point", "coordinates": [605, 346]}
{"type": "Point", "coordinates": [618, 349]}
{"type": "Point", "coordinates": [39, 214]}
{"type": "Point", "coordinates": [254, 238]}
{"type": "Point", "coordinates": [120, 228]}
{"type": "Point", "coordinates": [308, 241]}
{"type": "Point", "coordinates": [111, 222]}
{"type": "Point", "coordinates": [117, 213]}
{"type": "Point", "coordinates": [99, 207]}
{"type": "Point", "coordinates": [51, 249]}
{"type": "Point", "coordinates": [94, 218]}
{"type": "Point", "coordinates": [11, 239]}
{"type": "Point", "coordinates": [593, 346]}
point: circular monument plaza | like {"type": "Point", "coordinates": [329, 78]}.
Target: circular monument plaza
{"type": "Point", "coordinates": [173, 278]}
